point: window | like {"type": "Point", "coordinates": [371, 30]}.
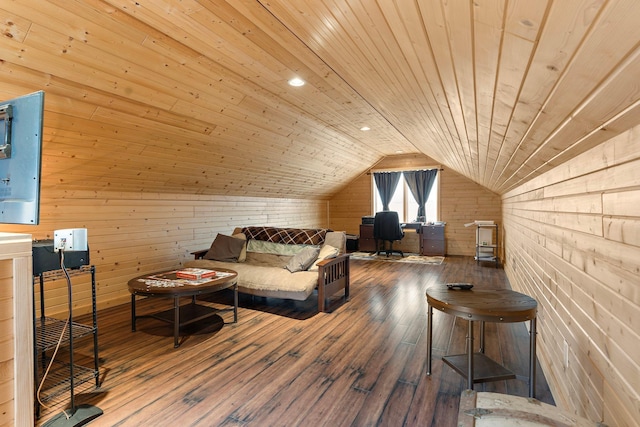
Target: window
{"type": "Point", "coordinates": [404, 203]}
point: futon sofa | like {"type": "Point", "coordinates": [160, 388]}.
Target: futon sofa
{"type": "Point", "coordinates": [288, 263]}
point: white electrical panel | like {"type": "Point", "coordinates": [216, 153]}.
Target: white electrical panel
{"type": "Point", "coordinates": [70, 239]}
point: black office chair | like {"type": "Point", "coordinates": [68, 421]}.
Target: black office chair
{"type": "Point", "coordinates": [386, 227]}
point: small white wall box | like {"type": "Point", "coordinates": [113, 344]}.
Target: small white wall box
{"type": "Point", "coordinates": [70, 239]}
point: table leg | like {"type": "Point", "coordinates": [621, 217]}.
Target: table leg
{"type": "Point", "coordinates": [235, 303]}
{"type": "Point", "coordinates": [470, 356]}
{"type": "Point", "coordinates": [532, 358]}
{"type": "Point", "coordinates": [482, 336]}
{"type": "Point", "coordinates": [133, 312]}
{"type": "Point", "coordinates": [429, 337]}
{"type": "Point", "coordinates": [176, 321]}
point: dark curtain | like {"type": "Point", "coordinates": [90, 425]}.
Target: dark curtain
{"type": "Point", "coordinates": [386, 183]}
{"type": "Point", "coordinates": [420, 183]}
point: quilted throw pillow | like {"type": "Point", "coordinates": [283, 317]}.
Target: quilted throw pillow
{"type": "Point", "coordinates": [288, 236]}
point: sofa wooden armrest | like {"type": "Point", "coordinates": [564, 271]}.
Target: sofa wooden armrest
{"type": "Point", "coordinates": [199, 254]}
{"type": "Point", "coordinates": [333, 275]}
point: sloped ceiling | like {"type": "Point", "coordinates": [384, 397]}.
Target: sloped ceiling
{"type": "Point", "coordinates": [192, 95]}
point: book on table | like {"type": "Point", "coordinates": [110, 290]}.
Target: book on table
{"type": "Point", "coordinates": [195, 273]}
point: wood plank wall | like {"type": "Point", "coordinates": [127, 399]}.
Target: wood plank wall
{"type": "Point", "coordinates": [16, 331]}
{"type": "Point", "coordinates": [573, 243]}
{"type": "Point", "coordinates": [131, 234]}
{"type": "Point", "coordinates": [6, 343]}
{"type": "Point", "coordinates": [461, 201]}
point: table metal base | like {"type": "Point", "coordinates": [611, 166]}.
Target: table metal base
{"type": "Point", "coordinates": [189, 313]}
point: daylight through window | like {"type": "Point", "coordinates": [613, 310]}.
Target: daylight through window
{"type": "Point", "coordinates": [404, 203]}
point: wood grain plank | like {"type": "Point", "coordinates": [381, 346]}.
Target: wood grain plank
{"type": "Point", "coordinates": [576, 279]}
{"type": "Point", "coordinates": [285, 363]}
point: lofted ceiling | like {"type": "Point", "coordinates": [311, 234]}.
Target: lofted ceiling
{"type": "Point", "coordinates": [191, 96]}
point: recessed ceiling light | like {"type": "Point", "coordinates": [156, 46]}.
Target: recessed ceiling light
{"type": "Point", "coordinates": [296, 82]}
{"type": "Point", "coordinates": [365, 128]}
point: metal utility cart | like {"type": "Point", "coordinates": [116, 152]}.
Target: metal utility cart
{"type": "Point", "coordinates": [63, 378]}
{"type": "Point", "coordinates": [487, 242]}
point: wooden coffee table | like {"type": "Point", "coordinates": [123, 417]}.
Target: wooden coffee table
{"type": "Point", "coordinates": [165, 284]}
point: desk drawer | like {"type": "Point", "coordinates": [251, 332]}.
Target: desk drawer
{"type": "Point", "coordinates": [433, 247]}
{"type": "Point", "coordinates": [366, 231]}
{"type": "Point", "coordinates": [432, 241]}
{"type": "Point", "coordinates": [366, 243]}
{"type": "Point", "coordinates": [432, 232]}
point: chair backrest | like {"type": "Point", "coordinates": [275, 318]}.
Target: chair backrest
{"type": "Point", "coordinates": [386, 226]}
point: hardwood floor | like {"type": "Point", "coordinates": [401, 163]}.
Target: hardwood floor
{"type": "Point", "coordinates": [285, 364]}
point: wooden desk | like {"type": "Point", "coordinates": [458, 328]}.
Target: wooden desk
{"type": "Point", "coordinates": [486, 305]}
{"type": "Point", "coordinates": [410, 243]}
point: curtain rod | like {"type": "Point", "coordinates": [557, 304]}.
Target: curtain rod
{"type": "Point", "coordinates": [405, 170]}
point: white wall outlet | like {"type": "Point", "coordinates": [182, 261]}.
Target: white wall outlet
{"type": "Point", "coordinates": [70, 239]}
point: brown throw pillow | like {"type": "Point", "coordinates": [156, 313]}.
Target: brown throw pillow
{"type": "Point", "coordinates": [225, 248]}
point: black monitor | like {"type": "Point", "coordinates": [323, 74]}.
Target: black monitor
{"type": "Point", "coordinates": [20, 159]}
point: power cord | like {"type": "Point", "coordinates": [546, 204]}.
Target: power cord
{"type": "Point", "coordinates": [60, 339]}
{"type": "Point", "coordinates": [82, 414]}
{"type": "Point", "coordinates": [46, 372]}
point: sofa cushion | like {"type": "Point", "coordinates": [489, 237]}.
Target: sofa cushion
{"type": "Point", "coordinates": [326, 252]}
{"type": "Point", "coordinates": [243, 253]}
{"type": "Point", "coordinates": [273, 248]}
{"type": "Point", "coordinates": [267, 260]}
{"type": "Point", "coordinates": [290, 236]}
{"type": "Point", "coordinates": [225, 248]}
{"type": "Point", "coordinates": [303, 259]}
{"type": "Point", "coordinates": [266, 281]}
{"type": "Point", "coordinates": [337, 239]}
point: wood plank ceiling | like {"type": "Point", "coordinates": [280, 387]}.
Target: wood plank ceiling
{"type": "Point", "coordinates": [192, 96]}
